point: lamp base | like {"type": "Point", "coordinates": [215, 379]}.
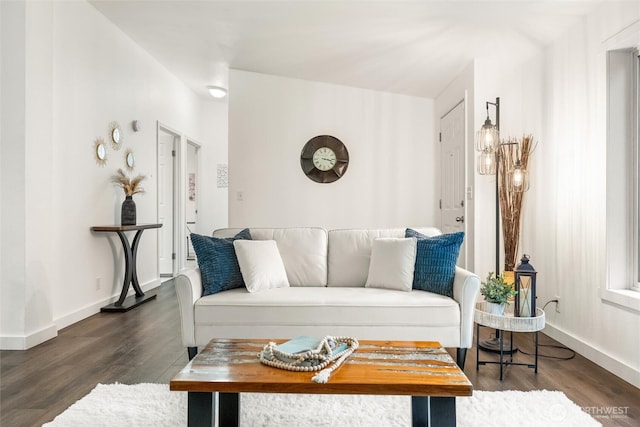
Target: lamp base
{"type": "Point", "coordinates": [493, 346]}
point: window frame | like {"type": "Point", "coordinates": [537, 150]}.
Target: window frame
{"type": "Point", "coordinates": [636, 169]}
{"type": "Point", "coordinates": [623, 178]}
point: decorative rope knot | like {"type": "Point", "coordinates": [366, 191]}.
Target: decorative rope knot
{"type": "Point", "coordinates": [328, 350]}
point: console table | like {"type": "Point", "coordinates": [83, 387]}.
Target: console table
{"type": "Point", "coordinates": [507, 322]}
{"type": "Point", "coordinates": [130, 273]}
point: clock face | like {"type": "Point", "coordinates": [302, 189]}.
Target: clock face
{"type": "Point", "coordinates": [324, 159]}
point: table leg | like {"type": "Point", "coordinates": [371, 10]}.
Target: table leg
{"type": "Point", "coordinates": [433, 411]}
{"type": "Point", "coordinates": [419, 411]}
{"type": "Point", "coordinates": [536, 369]}
{"type": "Point", "coordinates": [128, 267]}
{"type": "Point", "coordinates": [229, 409]}
{"type": "Point", "coordinates": [130, 277]}
{"type": "Point", "coordinates": [134, 275]}
{"type": "Point", "coordinates": [443, 411]}
{"type": "Point", "coordinates": [199, 409]}
{"type": "Point", "coordinates": [501, 354]}
{"type": "Point", "coordinates": [511, 344]}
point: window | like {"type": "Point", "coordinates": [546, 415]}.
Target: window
{"type": "Point", "coordinates": [623, 178]}
{"type": "Point", "coordinates": [636, 171]}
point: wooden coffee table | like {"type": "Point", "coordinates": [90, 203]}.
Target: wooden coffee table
{"type": "Point", "coordinates": [423, 370]}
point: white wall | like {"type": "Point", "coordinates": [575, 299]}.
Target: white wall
{"type": "Point", "coordinates": [81, 73]}
{"type": "Point", "coordinates": [390, 181]}
{"type": "Point", "coordinates": [213, 207]}
{"type": "Point", "coordinates": [575, 210]}
{"type": "Point", "coordinates": [559, 97]}
{"type": "Point", "coordinates": [519, 85]}
{"type": "Point", "coordinates": [12, 184]}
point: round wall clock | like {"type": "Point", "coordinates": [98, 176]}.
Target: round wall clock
{"type": "Point", "coordinates": [324, 159]}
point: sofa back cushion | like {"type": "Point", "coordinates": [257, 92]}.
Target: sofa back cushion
{"type": "Point", "coordinates": [350, 252]}
{"type": "Point", "coordinates": [303, 251]}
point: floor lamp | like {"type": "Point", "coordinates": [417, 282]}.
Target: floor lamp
{"type": "Point", "coordinates": [488, 144]}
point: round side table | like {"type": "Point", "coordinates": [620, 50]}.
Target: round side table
{"type": "Point", "coordinates": [507, 322]}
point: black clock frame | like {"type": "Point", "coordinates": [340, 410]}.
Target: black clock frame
{"type": "Point", "coordinates": [331, 175]}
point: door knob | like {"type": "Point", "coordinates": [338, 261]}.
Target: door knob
{"type": "Point", "coordinates": [460, 218]}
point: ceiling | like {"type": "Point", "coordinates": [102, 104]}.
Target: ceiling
{"type": "Point", "coordinates": [414, 48]}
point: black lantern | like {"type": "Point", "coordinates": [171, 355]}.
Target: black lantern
{"type": "Point", "coordinates": [525, 286]}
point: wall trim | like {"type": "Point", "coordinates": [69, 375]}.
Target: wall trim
{"type": "Point", "coordinates": [31, 340]}
{"type": "Point", "coordinates": [91, 309]}
{"type": "Point", "coordinates": [594, 354]}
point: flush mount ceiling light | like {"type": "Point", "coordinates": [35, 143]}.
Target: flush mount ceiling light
{"type": "Point", "coordinates": [217, 91]}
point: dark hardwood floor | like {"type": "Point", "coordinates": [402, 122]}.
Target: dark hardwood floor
{"type": "Point", "coordinates": [144, 345]}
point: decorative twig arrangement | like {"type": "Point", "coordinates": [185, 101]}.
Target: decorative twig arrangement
{"type": "Point", "coordinates": [130, 186]}
{"type": "Point", "coordinates": [511, 200]}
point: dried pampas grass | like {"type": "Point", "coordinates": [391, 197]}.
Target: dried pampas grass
{"type": "Point", "coordinates": [510, 200]}
{"type": "Point", "coordinates": [130, 186]}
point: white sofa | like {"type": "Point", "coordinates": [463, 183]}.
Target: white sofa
{"type": "Point", "coordinates": [327, 271]}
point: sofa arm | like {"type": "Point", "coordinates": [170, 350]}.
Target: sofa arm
{"type": "Point", "coordinates": [189, 289]}
{"type": "Point", "coordinates": [466, 287]}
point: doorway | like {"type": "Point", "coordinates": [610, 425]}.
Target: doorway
{"type": "Point", "coordinates": [168, 142]}
{"type": "Point", "coordinates": [452, 161]}
{"type": "Point", "coordinates": [193, 196]}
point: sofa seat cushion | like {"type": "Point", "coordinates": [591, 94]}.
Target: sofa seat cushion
{"type": "Point", "coordinates": [327, 306]}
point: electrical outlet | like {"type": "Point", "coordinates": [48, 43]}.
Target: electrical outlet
{"type": "Point", "coordinates": [98, 283]}
{"type": "Point", "coordinates": [557, 298]}
{"type": "Point", "coordinates": [240, 196]}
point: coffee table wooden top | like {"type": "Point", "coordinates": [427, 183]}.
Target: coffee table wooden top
{"type": "Point", "coordinates": [413, 368]}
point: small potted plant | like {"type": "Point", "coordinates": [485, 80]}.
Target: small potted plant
{"type": "Point", "coordinates": [130, 186]}
{"type": "Point", "coordinates": [497, 293]}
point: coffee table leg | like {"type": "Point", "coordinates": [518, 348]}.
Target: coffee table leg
{"type": "Point", "coordinates": [443, 411]}
{"type": "Point", "coordinates": [420, 411]}
{"type": "Point", "coordinates": [229, 409]}
{"type": "Point", "coordinates": [200, 409]}
{"type": "Point", "coordinates": [433, 411]}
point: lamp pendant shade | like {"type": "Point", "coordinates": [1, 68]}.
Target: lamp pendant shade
{"type": "Point", "coordinates": [487, 162]}
{"type": "Point", "coordinates": [518, 178]}
{"type": "Point", "coordinates": [525, 286]}
{"type": "Point", "coordinates": [488, 137]}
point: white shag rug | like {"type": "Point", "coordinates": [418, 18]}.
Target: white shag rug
{"type": "Point", "coordinates": [142, 405]}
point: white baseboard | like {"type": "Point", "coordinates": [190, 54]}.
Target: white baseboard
{"type": "Point", "coordinates": [51, 331]}
{"type": "Point", "coordinates": [91, 309]}
{"type": "Point", "coordinates": [596, 355]}
{"type": "Point", "coordinates": [30, 340]}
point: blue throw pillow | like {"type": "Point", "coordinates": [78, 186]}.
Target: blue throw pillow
{"type": "Point", "coordinates": [218, 263]}
{"type": "Point", "coordinates": [436, 259]}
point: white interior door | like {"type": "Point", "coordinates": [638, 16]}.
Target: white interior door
{"type": "Point", "coordinates": [166, 183]}
{"type": "Point", "coordinates": [452, 143]}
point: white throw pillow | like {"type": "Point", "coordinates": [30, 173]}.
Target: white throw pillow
{"type": "Point", "coordinates": [260, 264]}
{"type": "Point", "coordinates": [392, 263]}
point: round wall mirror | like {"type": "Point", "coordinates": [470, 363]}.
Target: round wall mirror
{"type": "Point", "coordinates": [116, 135]}
{"type": "Point", "coordinates": [100, 151]}
{"type": "Point", "coordinates": [130, 160]}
